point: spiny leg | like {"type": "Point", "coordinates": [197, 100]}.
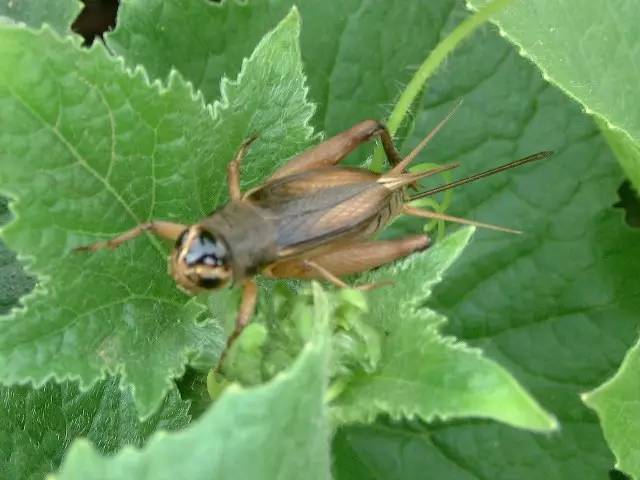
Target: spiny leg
{"type": "Point", "coordinates": [233, 169]}
{"type": "Point", "coordinates": [349, 259]}
{"type": "Point", "coordinates": [418, 212]}
{"type": "Point", "coordinates": [168, 230]}
{"type": "Point", "coordinates": [334, 149]}
{"type": "Point", "coordinates": [245, 312]}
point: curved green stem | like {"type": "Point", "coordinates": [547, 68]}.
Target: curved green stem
{"type": "Point", "coordinates": [430, 65]}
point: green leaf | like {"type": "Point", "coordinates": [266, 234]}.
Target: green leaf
{"type": "Point", "coordinates": [274, 431]}
{"type": "Point", "coordinates": [421, 373]}
{"type": "Point", "coordinates": [106, 150]}
{"type": "Point", "coordinates": [617, 402]}
{"type": "Point", "coordinates": [379, 451]}
{"type": "Point", "coordinates": [152, 33]}
{"type": "Point", "coordinates": [589, 50]}
{"type": "Point", "coordinates": [344, 45]}
{"type": "Point", "coordinates": [39, 424]}
{"type": "Point", "coordinates": [556, 306]}
{"type": "Point", "coordinates": [626, 150]}
{"type": "Point", "coordinates": [58, 15]}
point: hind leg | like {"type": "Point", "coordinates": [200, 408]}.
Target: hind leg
{"type": "Point", "coordinates": [350, 259]}
{"type": "Point", "coordinates": [336, 148]}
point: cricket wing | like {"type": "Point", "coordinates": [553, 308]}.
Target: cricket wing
{"type": "Point", "coordinates": [302, 184]}
{"type": "Point", "coordinates": [318, 207]}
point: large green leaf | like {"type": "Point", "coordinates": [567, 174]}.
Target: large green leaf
{"type": "Point", "coordinates": [37, 425]}
{"type": "Point", "coordinates": [275, 431]}
{"type": "Point", "coordinates": [618, 405]}
{"type": "Point", "coordinates": [58, 15]}
{"type": "Point", "coordinates": [555, 306]}
{"type": "Point", "coordinates": [590, 50]}
{"type": "Point", "coordinates": [89, 149]}
{"type": "Point", "coordinates": [421, 373]}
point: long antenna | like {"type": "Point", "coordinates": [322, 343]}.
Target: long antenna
{"type": "Point", "coordinates": [478, 176]}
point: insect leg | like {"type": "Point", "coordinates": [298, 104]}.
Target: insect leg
{"type": "Point", "coordinates": [245, 312]}
{"type": "Point", "coordinates": [418, 212]}
{"type": "Point", "coordinates": [349, 259]}
{"type": "Point", "coordinates": [325, 274]}
{"type": "Point", "coordinates": [322, 272]}
{"type": "Point", "coordinates": [233, 169]}
{"type": "Point", "coordinates": [168, 230]}
{"type": "Point", "coordinates": [319, 271]}
{"type": "Point", "coordinates": [334, 149]}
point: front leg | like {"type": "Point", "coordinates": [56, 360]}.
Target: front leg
{"type": "Point", "coordinates": [233, 169]}
{"type": "Point", "coordinates": [167, 230]}
{"type": "Point", "coordinates": [245, 312]}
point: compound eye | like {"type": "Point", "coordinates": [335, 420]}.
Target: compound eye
{"type": "Point", "coordinates": [207, 250]}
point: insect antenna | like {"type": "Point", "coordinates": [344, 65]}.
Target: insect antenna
{"type": "Point", "coordinates": [486, 173]}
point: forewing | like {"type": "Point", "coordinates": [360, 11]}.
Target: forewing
{"type": "Point", "coordinates": [320, 206]}
{"type": "Point", "coordinates": [286, 189]}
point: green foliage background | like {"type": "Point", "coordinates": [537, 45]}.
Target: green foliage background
{"type": "Point", "coordinates": [91, 143]}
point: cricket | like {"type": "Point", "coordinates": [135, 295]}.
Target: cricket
{"type": "Point", "coordinates": [311, 219]}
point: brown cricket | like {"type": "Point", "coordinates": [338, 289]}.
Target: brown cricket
{"type": "Point", "coordinates": [311, 219]}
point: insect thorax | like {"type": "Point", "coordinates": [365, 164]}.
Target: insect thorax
{"type": "Point", "coordinates": [249, 235]}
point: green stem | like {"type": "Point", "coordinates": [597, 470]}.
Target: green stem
{"type": "Point", "coordinates": [430, 65]}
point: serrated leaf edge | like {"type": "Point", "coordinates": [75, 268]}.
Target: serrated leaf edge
{"type": "Point", "coordinates": [226, 83]}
